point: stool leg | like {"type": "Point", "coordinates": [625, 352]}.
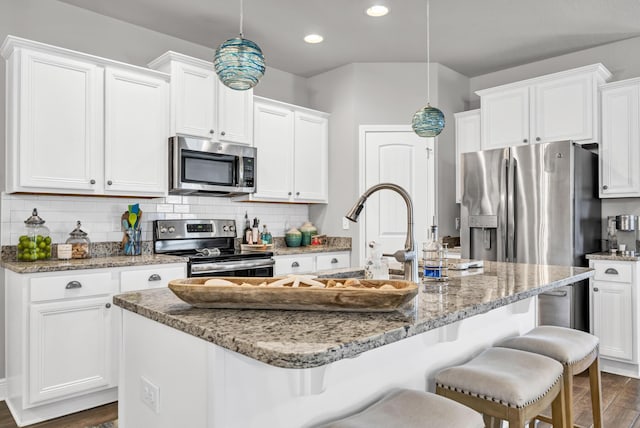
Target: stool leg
{"type": "Point", "coordinates": [558, 415]}
{"type": "Point", "coordinates": [595, 387]}
{"type": "Point", "coordinates": [567, 379]}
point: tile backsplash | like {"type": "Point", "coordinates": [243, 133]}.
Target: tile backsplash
{"type": "Point", "coordinates": [100, 216]}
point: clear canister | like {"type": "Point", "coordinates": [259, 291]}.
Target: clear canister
{"type": "Point", "coordinates": [34, 243]}
{"type": "Point", "coordinates": [80, 244]}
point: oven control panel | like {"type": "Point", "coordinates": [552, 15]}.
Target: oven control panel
{"type": "Point", "coordinates": [185, 229]}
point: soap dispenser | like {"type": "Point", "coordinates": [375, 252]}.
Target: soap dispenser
{"type": "Point", "coordinates": [376, 267]}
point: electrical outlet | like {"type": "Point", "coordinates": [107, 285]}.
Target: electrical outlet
{"type": "Point", "coordinates": [150, 394]}
{"type": "Point", "coordinates": [345, 223]}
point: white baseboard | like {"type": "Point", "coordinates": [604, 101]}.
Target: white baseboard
{"type": "Point", "coordinates": [3, 389]}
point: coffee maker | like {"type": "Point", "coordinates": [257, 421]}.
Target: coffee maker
{"type": "Point", "coordinates": [623, 234]}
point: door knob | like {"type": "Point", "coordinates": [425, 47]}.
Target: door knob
{"type": "Point", "coordinates": [595, 289]}
{"type": "Point", "coordinates": [211, 131]}
{"type": "Point", "coordinates": [109, 182]}
{"type": "Point", "coordinates": [108, 305]}
{"type": "Point", "coordinates": [223, 133]}
{"type": "Point", "coordinates": [538, 138]}
{"type": "Point", "coordinates": [289, 193]}
{"type": "Point", "coordinates": [525, 141]}
{"type": "Point", "coordinates": [605, 187]}
{"type": "Point", "coordinates": [92, 181]}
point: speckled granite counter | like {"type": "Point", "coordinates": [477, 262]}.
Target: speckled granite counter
{"type": "Point", "coordinates": [612, 257]}
{"type": "Point", "coordinates": [92, 263]}
{"type": "Point", "coordinates": [304, 339]}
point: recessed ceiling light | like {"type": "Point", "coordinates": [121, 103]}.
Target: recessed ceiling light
{"type": "Point", "coordinates": [313, 38]}
{"type": "Point", "coordinates": [377, 10]}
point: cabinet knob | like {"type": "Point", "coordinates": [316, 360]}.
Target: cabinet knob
{"type": "Point", "coordinates": [155, 277]}
{"type": "Point", "coordinates": [108, 305]}
{"type": "Point", "coordinates": [92, 181]}
{"type": "Point", "coordinates": [595, 289]}
{"type": "Point", "coordinates": [73, 284]}
{"type": "Point", "coordinates": [334, 260]}
{"type": "Point", "coordinates": [109, 182]}
{"type": "Point", "coordinates": [297, 193]}
{"type": "Point", "coordinates": [289, 193]}
{"type": "Point", "coordinates": [295, 264]}
{"type": "Point", "coordinates": [223, 133]}
{"type": "Point", "coordinates": [538, 138]}
{"type": "Point", "coordinates": [525, 141]}
{"type": "Point", "coordinates": [605, 187]}
{"type": "Point", "coordinates": [211, 131]}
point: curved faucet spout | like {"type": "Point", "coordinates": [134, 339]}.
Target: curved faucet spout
{"type": "Point", "coordinates": [408, 256]}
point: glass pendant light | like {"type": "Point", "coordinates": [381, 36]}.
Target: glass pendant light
{"type": "Point", "coordinates": [428, 121]}
{"type": "Point", "coordinates": [239, 62]}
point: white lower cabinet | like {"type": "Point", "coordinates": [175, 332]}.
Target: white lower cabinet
{"type": "Point", "coordinates": [308, 263]}
{"type": "Point", "coordinates": [63, 336]}
{"type": "Point", "coordinates": [614, 315]}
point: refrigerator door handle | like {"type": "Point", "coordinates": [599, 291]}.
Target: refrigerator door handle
{"type": "Point", "coordinates": [502, 210]}
{"type": "Point", "coordinates": [511, 211]}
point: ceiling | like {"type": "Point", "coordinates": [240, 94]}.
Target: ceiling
{"type": "Point", "coordinates": [473, 37]}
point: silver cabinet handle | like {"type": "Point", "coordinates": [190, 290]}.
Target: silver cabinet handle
{"type": "Point", "coordinates": [538, 138]}
{"type": "Point", "coordinates": [555, 293]}
{"type": "Point", "coordinates": [108, 305]}
{"type": "Point", "coordinates": [211, 131]}
{"type": "Point", "coordinates": [596, 289]}
{"type": "Point", "coordinates": [109, 182]}
{"type": "Point", "coordinates": [223, 133]}
{"type": "Point", "coordinates": [611, 271]}
{"type": "Point", "coordinates": [295, 264]}
{"type": "Point", "coordinates": [605, 187]}
{"type": "Point", "coordinates": [73, 284]}
{"type": "Point", "coordinates": [525, 141]}
{"type": "Point", "coordinates": [334, 260]}
{"type": "Point", "coordinates": [92, 181]}
{"type": "Point", "coordinates": [155, 277]}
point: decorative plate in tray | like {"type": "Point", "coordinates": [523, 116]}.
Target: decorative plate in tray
{"type": "Point", "coordinates": [295, 292]}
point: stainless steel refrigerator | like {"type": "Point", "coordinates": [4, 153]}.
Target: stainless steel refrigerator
{"type": "Point", "coordinates": [535, 203]}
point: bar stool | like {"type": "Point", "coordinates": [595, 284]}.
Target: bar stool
{"type": "Point", "coordinates": [576, 351]}
{"type": "Point", "coordinates": [408, 408]}
{"type": "Point", "coordinates": [506, 384]}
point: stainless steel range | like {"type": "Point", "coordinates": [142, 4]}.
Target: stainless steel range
{"type": "Point", "coordinates": [210, 247]}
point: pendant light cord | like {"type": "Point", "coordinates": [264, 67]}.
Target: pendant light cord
{"type": "Point", "coordinates": [241, 17]}
{"type": "Point", "coordinates": [428, 59]}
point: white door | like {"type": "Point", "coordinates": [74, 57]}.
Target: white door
{"type": "Point", "coordinates": [60, 123]}
{"type": "Point", "coordinates": [70, 347]}
{"type": "Point", "coordinates": [235, 115]}
{"type": "Point", "coordinates": [310, 158]}
{"type": "Point", "coordinates": [195, 103]}
{"type": "Point", "coordinates": [396, 155]}
{"type": "Point", "coordinates": [136, 133]}
{"type": "Point", "coordinates": [505, 118]}
{"type": "Point", "coordinates": [273, 139]}
{"type": "Point", "coordinates": [612, 319]}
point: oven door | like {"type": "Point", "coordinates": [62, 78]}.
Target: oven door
{"type": "Point", "coordinates": [243, 268]}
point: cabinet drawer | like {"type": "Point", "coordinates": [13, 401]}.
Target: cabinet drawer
{"type": "Point", "coordinates": [332, 261]}
{"type": "Point", "coordinates": [150, 278]}
{"type": "Point", "coordinates": [615, 272]}
{"type": "Point", "coordinates": [71, 286]}
{"type": "Point", "coordinates": [296, 264]}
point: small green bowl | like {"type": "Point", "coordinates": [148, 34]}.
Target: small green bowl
{"type": "Point", "coordinates": [293, 240]}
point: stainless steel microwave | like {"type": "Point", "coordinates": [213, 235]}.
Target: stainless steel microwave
{"type": "Point", "coordinates": [198, 166]}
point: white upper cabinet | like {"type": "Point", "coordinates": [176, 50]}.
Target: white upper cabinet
{"type": "Point", "coordinates": [293, 150]}
{"type": "Point", "coordinates": [79, 124]}
{"type": "Point", "coordinates": [620, 148]}
{"type": "Point", "coordinates": [467, 127]}
{"type": "Point", "coordinates": [201, 105]}
{"type": "Point", "coordinates": [559, 106]}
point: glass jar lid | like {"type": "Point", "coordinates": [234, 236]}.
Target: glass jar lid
{"type": "Point", "coordinates": [35, 219]}
{"type": "Point", "coordinates": [77, 232]}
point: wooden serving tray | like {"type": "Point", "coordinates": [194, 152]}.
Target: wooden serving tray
{"type": "Point", "coordinates": [367, 298]}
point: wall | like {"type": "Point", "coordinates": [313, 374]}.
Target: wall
{"type": "Point", "coordinates": [621, 58]}
{"type": "Point", "coordinates": [382, 94]}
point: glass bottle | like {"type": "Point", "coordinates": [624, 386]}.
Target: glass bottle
{"type": "Point", "coordinates": [246, 235]}
{"type": "Point", "coordinates": [35, 243]}
{"type": "Point", "coordinates": [376, 267]}
{"type": "Point", "coordinates": [266, 236]}
{"type": "Point", "coordinates": [80, 243]}
{"type": "Point", "coordinates": [432, 257]}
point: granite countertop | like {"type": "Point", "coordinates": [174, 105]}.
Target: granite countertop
{"type": "Point", "coordinates": [304, 339]}
{"type": "Point", "coordinates": [612, 257]}
{"type": "Point", "coordinates": [55, 265]}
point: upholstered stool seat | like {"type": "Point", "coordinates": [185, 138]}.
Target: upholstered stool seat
{"type": "Point", "coordinates": [506, 384]}
{"type": "Point", "coordinates": [576, 351]}
{"type": "Point", "coordinates": [412, 409]}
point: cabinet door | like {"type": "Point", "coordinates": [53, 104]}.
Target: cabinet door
{"type": "Point", "coordinates": [467, 140]}
{"type": "Point", "coordinates": [70, 347]}
{"type": "Point", "coordinates": [195, 103]}
{"type": "Point", "coordinates": [563, 110]}
{"type": "Point", "coordinates": [620, 148]}
{"type": "Point", "coordinates": [612, 318]}
{"type": "Point", "coordinates": [136, 133]}
{"type": "Point", "coordinates": [235, 115]}
{"type": "Point", "coordinates": [273, 139]}
{"type": "Point", "coordinates": [153, 277]}
{"type": "Point", "coordinates": [505, 118]}
{"type": "Point", "coordinates": [311, 158]}
{"type": "Point", "coordinates": [60, 124]}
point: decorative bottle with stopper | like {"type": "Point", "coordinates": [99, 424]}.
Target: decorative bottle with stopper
{"type": "Point", "coordinates": [247, 235]}
{"type": "Point", "coordinates": [434, 257]}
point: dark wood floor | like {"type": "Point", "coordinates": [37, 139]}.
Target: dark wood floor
{"type": "Point", "coordinates": [91, 417]}
{"type": "Point", "coordinates": [620, 402]}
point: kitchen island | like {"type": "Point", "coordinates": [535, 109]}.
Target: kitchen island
{"type": "Point", "coordinates": [182, 366]}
